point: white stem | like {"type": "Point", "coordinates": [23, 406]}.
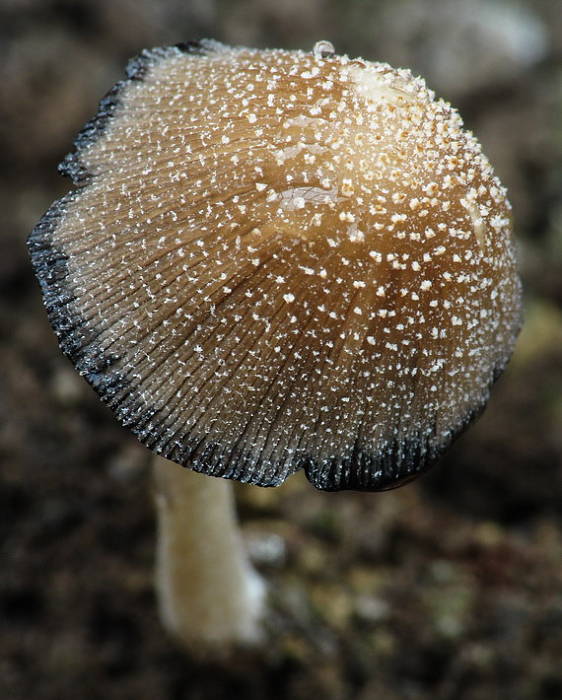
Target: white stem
{"type": "Point", "coordinates": [209, 595]}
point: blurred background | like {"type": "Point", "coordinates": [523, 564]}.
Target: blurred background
{"type": "Point", "coordinates": [448, 588]}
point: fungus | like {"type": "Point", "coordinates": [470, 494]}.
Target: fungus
{"type": "Point", "coordinates": [276, 261]}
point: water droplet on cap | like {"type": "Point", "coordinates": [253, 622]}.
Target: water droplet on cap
{"type": "Point", "coordinates": [323, 49]}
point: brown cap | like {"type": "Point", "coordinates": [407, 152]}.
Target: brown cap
{"type": "Point", "coordinates": [276, 260]}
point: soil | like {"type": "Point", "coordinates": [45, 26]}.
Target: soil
{"type": "Point", "coordinates": [449, 588]}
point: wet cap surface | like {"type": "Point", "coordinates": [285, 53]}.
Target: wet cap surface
{"type": "Point", "coordinates": [280, 260]}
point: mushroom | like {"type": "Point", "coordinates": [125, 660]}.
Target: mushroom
{"type": "Point", "coordinates": [275, 261]}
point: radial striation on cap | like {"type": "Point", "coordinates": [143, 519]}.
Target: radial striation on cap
{"type": "Point", "coordinates": [278, 260]}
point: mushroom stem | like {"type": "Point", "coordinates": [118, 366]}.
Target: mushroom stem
{"type": "Point", "coordinates": [209, 595]}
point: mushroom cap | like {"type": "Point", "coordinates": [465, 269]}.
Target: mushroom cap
{"type": "Point", "coordinates": [279, 260]}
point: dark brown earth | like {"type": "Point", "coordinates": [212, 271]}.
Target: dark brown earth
{"type": "Point", "coordinates": [450, 588]}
